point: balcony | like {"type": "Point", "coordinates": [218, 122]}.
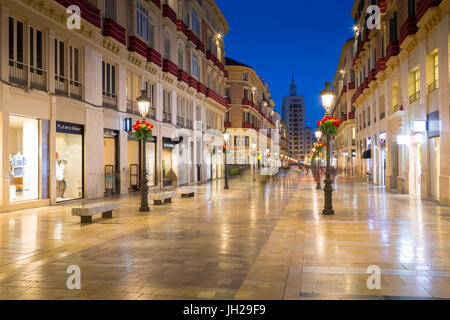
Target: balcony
{"type": "Point", "coordinates": [216, 97]}
{"type": "Point", "coordinates": [201, 46]}
{"type": "Point", "coordinates": [61, 86]}
{"type": "Point", "coordinates": [201, 88]}
{"type": "Point", "coordinates": [414, 97]}
{"type": "Point", "coordinates": [191, 36]}
{"type": "Point", "coordinates": [351, 86]}
{"type": "Point", "coordinates": [157, 3]}
{"type": "Point", "coordinates": [351, 116]}
{"type": "Point", "coordinates": [109, 100]}
{"type": "Point", "coordinates": [115, 31]}
{"type": "Point", "coordinates": [180, 122]}
{"type": "Point", "coordinates": [392, 50]}
{"type": "Point", "coordinates": [193, 83]}
{"type": "Point", "coordinates": [138, 46]}
{"type": "Point", "coordinates": [76, 91]}
{"type": "Point", "coordinates": [38, 79]}
{"type": "Point", "coordinates": [227, 124]}
{"type": "Point", "coordinates": [89, 12]}
{"type": "Point", "coordinates": [433, 86]}
{"type": "Point", "coordinates": [344, 118]}
{"type": "Point", "coordinates": [154, 57]}
{"type": "Point", "coordinates": [382, 5]}
{"type": "Point", "coordinates": [167, 117]}
{"type": "Point", "coordinates": [381, 66]}
{"type": "Point", "coordinates": [170, 67]}
{"type": "Point", "coordinates": [424, 5]}
{"type": "Point", "coordinates": [183, 76]}
{"type": "Point", "coordinates": [169, 13]}
{"type": "Point", "coordinates": [247, 125]}
{"type": "Point", "coordinates": [181, 27]}
{"type": "Point", "coordinates": [408, 28]}
{"type": "Point", "coordinates": [246, 102]}
{"type": "Point", "coordinates": [18, 73]}
{"type": "Point", "coordinates": [372, 77]}
{"type": "Point", "coordinates": [131, 107]}
{"type": "Point", "coordinates": [189, 124]}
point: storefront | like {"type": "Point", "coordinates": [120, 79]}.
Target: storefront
{"type": "Point", "coordinates": [28, 159]}
{"type": "Point", "coordinates": [434, 151]}
{"type": "Point", "coordinates": [69, 161]}
{"type": "Point", "coordinates": [168, 173]}
{"type": "Point", "coordinates": [134, 163]}
{"type": "Point", "coordinates": [111, 161]}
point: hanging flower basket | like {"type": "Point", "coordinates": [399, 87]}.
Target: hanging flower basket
{"type": "Point", "coordinates": [319, 146]}
{"type": "Point", "coordinates": [329, 126]}
{"type": "Point", "coordinates": [142, 130]}
{"type": "Point", "coordinates": [225, 149]}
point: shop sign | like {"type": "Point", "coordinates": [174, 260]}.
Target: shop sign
{"type": "Point", "coordinates": [434, 127]}
{"type": "Point", "coordinates": [71, 128]}
{"type": "Point", "coordinates": [170, 144]}
{"type": "Point", "coordinates": [109, 133]}
{"type": "Point", "coordinates": [128, 125]}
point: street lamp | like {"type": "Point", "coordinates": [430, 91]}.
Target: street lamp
{"type": "Point", "coordinates": [226, 136]}
{"type": "Point", "coordinates": [318, 135]}
{"type": "Point", "coordinates": [327, 95]}
{"type": "Point", "coordinates": [143, 105]}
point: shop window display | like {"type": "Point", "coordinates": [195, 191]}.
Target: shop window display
{"type": "Point", "coordinates": [23, 159]}
{"type": "Point", "coordinates": [69, 162]}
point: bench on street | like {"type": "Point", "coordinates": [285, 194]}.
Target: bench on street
{"type": "Point", "coordinates": [162, 197]}
{"type": "Point", "coordinates": [85, 212]}
{"type": "Point", "coordinates": [188, 192]}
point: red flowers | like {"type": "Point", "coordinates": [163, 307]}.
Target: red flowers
{"type": "Point", "coordinates": [319, 145]}
{"type": "Point", "coordinates": [142, 130]}
{"type": "Point", "coordinates": [329, 126]}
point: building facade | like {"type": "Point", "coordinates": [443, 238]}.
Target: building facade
{"type": "Point", "coordinates": [254, 126]}
{"type": "Point", "coordinates": [69, 88]}
{"type": "Point", "coordinates": [344, 110]}
{"type": "Point", "coordinates": [294, 117]}
{"type": "Point", "coordinates": [402, 97]}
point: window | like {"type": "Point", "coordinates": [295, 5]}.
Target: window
{"type": "Point", "coordinates": [434, 73]}
{"type": "Point", "coordinates": [167, 47]}
{"type": "Point", "coordinates": [180, 58]}
{"type": "Point", "coordinates": [108, 84]}
{"type": "Point", "coordinates": [393, 28]}
{"type": "Point", "coordinates": [16, 42]}
{"type": "Point", "coordinates": [142, 21]}
{"type": "Point", "coordinates": [414, 85]}
{"type": "Point", "coordinates": [237, 141]}
{"type": "Point", "coordinates": [195, 67]}
{"type": "Point", "coordinates": [395, 97]}
{"type": "Point", "coordinates": [36, 59]}
{"type": "Point", "coordinates": [245, 94]}
{"type": "Point", "coordinates": [151, 35]}
{"type": "Point", "coordinates": [110, 9]}
{"type": "Point", "coordinates": [411, 8]}
{"type": "Point", "coordinates": [245, 76]}
{"type": "Point", "coordinates": [195, 24]}
{"type": "Point", "coordinates": [167, 107]}
{"type": "Point", "coordinates": [59, 58]}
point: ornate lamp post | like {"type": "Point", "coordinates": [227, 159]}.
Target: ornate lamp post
{"type": "Point", "coordinates": [327, 95]}
{"type": "Point", "coordinates": [226, 136]}
{"type": "Point", "coordinates": [143, 105]}
{"type": "Point", "coordinates": [318, 134]}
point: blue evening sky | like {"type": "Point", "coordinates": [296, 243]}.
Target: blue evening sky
{"type": "Point", "coordinates": [278, 38]}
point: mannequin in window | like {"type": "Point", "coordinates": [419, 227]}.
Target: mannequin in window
{"type": "Point", "coordinates": [61, 184]}
{"type": "Point", "coordinates": [18, 163]}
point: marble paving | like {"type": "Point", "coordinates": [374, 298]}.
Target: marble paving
{"type": "Point", "coordinates": [258, 240]}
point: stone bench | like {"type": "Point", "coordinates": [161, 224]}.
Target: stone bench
{"type": "Point", "coordinates": [160, 197]}
{"type": "Point", "coordinates": [87, 211]}
{"type": "Point", "coordinates": [187, 192]}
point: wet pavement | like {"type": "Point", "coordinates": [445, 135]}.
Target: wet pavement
{"type": "Point", "coordinates": [255, 241]}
